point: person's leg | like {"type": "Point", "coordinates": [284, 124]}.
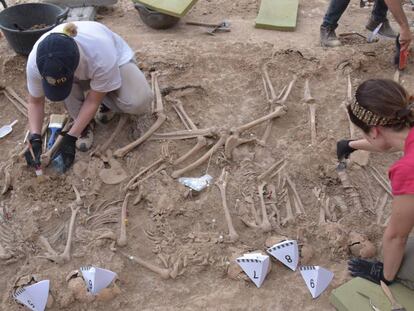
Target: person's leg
{"type": "Point", "coordinates": [335, 10]}
{"type": "Point", "coordinates": [330, 21]}
{"type": "Point", "coordinates": [406, 273]}
{"type": "Point", "coordinates": [379, 15]}
{"type": "Point", "coordinates": [73, 105]}
{"type": "Point", "coordinates": [134, 96]}
{"type": "Point", "coordinates": [379, 11]}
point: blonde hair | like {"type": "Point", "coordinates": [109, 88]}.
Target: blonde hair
{"type": "Point", "coordinates": [70, 29]}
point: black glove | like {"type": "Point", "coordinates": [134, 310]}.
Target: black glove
{"type": "Point", "coordinates": [65, 154]}
{"type": "Point", "coordinates": [343, 150]}
{"type": "Point", "coordinates": [371, 270]}
{"type": "Point", "coordinates": [35, 143]}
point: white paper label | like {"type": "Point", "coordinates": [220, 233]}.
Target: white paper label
{"type": "Point", "coordinates": [286, 252]}
{"type": "Point", "coordinates": [255, 266]}
{"type": "Point", "coordinates": [34, 296]}
{"type": "Point", "coordinates": [97, 279]}
{"type": "Point", "coordinates": [317, 279]}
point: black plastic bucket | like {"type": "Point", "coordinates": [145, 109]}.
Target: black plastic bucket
{"type": "Point", "coordinates": [16, 23]}
{"type": "Point", "coordinates": [154, 19]}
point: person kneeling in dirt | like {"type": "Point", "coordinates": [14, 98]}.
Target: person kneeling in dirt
{"type": "Point", "coordinates": [383, 110]}
{"type": "Point", "coordinates": [74, 58]}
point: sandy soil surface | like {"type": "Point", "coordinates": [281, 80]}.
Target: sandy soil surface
{"type": "Point", "coordinates": [219, 81]}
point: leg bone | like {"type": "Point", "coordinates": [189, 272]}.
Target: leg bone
{"type": "Point", "coordinates": [265, 225]}
{"type": "Point", "coordinates": [122, 240]}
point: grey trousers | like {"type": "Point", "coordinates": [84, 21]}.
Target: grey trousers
{"type": "Point", "coordinates": [133, 97]}
{"type": "Point", "coordinates": [406, 273]}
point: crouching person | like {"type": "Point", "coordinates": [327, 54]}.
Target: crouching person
{"type": "Point", "coordinates": [93, 71]}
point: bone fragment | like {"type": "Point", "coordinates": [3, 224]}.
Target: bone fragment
{"type": "Point", "coordinates": [350, 189]}
{"type": "Point", "coordinates": [289, 212]}
{"type": "Point", "coordinates": [164, 273]}
{"type": "Point", "coordinates": [161, 117]}
{"type": "Point", "coordinates": [65, 256]}
{"type": "Point", "coordinates": [265, 175]}
{"type": "Point", "coordinates": [380, 208]}
{"type": "Point", "coordinates": [202, 159]}
{"type": "Point", "coordinates": [119, 127]}
{"type": "Point", "coordinates": [122, 240]}
{"type": "Point", "coordinates": [292, 186]}
{"type": "Point", "coordinates": [265, 225]}
{"type": "Point", "coordinates": [221, 183]}
{"type": "Point", "coordinates": [142, 172]}
{"type": "Point", "coordinates": [278, 112]}
{"type": "Point", "coordinates": [7, 180]}
{"type": "Point", "coordinates": [186, 134]}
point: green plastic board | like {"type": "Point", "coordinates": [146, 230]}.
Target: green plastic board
{"type": "Point", "coordinates": [278, 14]}
{"type": "Point", "coordinates": [346, 298]}
{"type": "Point", "coordinates": [177, 8]}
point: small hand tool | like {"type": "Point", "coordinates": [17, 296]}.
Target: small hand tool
{"type": "Point", "coordinates": [395, 306]}
{"type": "Point", "coordinates": [5, 130]}
{"type": "Point", "coordinates": [370, 302]}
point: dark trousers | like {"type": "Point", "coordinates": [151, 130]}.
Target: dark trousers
{"type": "Point", "coordinates": [337, 8]}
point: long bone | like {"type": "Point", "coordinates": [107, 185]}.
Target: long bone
{"type": "Point", "coordinates": [185, 134]}
{"type": "Point", "coordinates": [65, 256]}
{"type": "Point", "coordinates": [161, 117]}
{"type": "Point", "coordinates": [221, 183]}
{"type": "Point", "coordinates": [234, 140]}
{"type": "Point", "coordinates": [289, 212]}
{"type": "Point", "coordinates": [312, 111]}
{"type": "Point", "coordinates": [202, 159]}
{"type": "Point", "coordinates": [122, 240]}
{"type": "Point", "coordinates": [275, 100]}
{"type": "Point", "coordinates": [102, 148]}
{"type": "Point", "coordinates": [134, 182]}
{"type": "Point", "coordinates": [164, 273]}
{"type": "Point", "coordinates": [47, 156]}
{"type": "Point", "coordinates": [268, 173]}
{"type": "Point", "coordinates": [298, 202]}
{"type": "Point", "coordinates": [190, 125]}
{"type": "Point", "coordinates": [265, 225]}
{"type": "Point", "coordinates": [16, 100]}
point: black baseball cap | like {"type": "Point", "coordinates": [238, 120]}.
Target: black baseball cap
{"type": "Point", "coordinates": [57, 58]}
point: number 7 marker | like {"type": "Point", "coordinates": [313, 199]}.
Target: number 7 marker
{"type": "Point", "coordinates": [286, 252]}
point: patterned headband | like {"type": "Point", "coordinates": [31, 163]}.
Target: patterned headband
{"type": "Point", "coordinates": [370, 118]}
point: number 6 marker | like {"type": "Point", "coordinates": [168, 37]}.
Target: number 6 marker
{"type": "Point", "coordinates": [317, 279]}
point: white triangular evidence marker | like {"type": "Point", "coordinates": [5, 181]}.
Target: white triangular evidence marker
{"type": "Point", "coordinates": [317, 279]}
{"type": "Point", "coordinates": [97, 279]}
{"type": "Point", "coordinates": [255, 265]}
{"type": "Point", "coordinates": [33, 296]}
{"type": "Point", "coordinates": [286, 252]}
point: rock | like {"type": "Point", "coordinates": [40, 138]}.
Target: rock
{"type": "Point", "coordinates": [360, 246]}
{"type": "Point", "coordinates": [274, 239]}
{"type": "Point", "coordinates": [306, 254]}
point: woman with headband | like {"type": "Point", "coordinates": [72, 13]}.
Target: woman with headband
{"type": "Point", "coordinates": [71, 60]}
{"type": "Point", "coordinates": [383, 111]}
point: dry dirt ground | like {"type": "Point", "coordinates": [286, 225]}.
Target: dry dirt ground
{"type": "Point", "coordinates": [224, 89]}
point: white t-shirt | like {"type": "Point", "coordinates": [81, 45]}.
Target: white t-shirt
{"type": "Point", "coordinates": [101, 51]}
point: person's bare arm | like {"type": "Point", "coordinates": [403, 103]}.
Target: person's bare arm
{"type": "Point", "coordinates": [36, 112]}
{"type": "Point", "coordinates": [87, 112]}
{"type": "Point", "coordinates": [395, 7]}
{"type": "Point", "coordinates": [363, 144]}
{"type": "Point", "coordinates": [395, 237]}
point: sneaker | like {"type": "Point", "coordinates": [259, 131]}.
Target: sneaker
{"type": "Point", "coordinates": [104, 114]}
{"type": "Point", "coordinates": [385, 30]}
{"type": "Point", "coordinates": [328, 37]}
{"type": "Point", "coordinates": [85, 141]}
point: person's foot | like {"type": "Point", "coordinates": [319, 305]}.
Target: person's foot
{"type": "Point", "coordinates": [385, 30]}
{"type": "Point", "coordinates": [85, 141]}
{"type": "Point", "coordinates": [104, 114]}
{"type": "Point", "coordinates": [328, 37]}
